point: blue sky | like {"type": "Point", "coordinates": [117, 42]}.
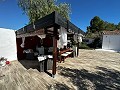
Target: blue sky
{"type": "Point", "coordinates": [83, 11]}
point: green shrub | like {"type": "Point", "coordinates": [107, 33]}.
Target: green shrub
{"type": "Point", "coordinates": [83, 46]}
{"type": "Point", "coordinates": [97, 43]}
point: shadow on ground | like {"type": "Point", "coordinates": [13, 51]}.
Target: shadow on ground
{"type": "Point", "coordinates": [34, 64]}
{"type": "Point", "coordinates": [58, 86]}
{"type": "Point", "coordinates": [103, 79]}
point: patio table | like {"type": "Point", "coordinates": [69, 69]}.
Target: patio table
{"type": "Point", "coordinates": [42, 59]}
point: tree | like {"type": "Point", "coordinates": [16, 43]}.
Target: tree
{"type": "Point", "coordinates": [118, 26]}
{"type": "Point", "coordinates": [88, 29]}
{"type": "Point", "coordinates": [110, 26]}
{"type": "Point", "coordinates": [36, 9]}
{"type": "Point", "coordinates": [95, 29]}
{"type": "Point", "coordinates": [96, 24]}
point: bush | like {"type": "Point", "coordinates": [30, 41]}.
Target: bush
{"type": "Point", "coordinates": [96, 44]}
{"type": "Point", "coordinates": [83, 46]}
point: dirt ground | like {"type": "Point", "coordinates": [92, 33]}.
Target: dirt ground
{"type": "Point", "coordinates": [91, 70]}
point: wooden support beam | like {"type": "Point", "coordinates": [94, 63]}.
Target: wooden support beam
{"type": "Point", "coordinates": [78, 43]}
{"type": "Point", "coordinates": [54, 50]}
{"type": "Point", "coordinates": [78, 49]}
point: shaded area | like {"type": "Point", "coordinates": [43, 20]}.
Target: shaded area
{"type": "Point", "coordinates": [16, 77]}
{"type": "Point", "coordinates": [34, 64]}
{"type": "Point", "coordinates": [103, 79]}
{"type": "Point", "coordinates": [58, 86]}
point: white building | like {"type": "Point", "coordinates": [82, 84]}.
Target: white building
{"type": "Point", "coordinates": [111, 40]}
{"type": "Point", "coordinates": [8, 44]}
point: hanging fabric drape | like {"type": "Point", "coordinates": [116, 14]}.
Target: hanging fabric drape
{"type": "Point", "coordinates": [23, 42]}
{"type": "Point", "coordinates": [42, 36]}
{"type": "Point", "coordinates": [63, 37]}
{"type": "Point", "coordinates": [80, 39]}
{"type": "Point", "coordinates": [75, 37]}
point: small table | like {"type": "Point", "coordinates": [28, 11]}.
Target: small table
{"type": "Point", "coordinates": [42, 59]}
{"type": "Point", "coordinates": [44, 63]}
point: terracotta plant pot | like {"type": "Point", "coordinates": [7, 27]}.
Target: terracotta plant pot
{"type": "Point", "coordinates": [7, 62]}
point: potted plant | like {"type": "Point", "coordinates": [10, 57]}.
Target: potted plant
{"type": "Point", "coordinates": [3, 61]}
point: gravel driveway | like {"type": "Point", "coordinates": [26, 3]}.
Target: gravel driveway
{"type": "Point", "coordinates": [91, 70]}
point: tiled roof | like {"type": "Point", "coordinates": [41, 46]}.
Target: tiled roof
{"type": "Point", "coordinates": [115, 32]}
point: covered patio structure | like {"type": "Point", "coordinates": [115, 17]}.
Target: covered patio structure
{"type": "Point", "coordinates": [46, 32]}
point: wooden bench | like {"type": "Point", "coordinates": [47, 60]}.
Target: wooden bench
{"type": "Point", "coordinates": [65, 53]}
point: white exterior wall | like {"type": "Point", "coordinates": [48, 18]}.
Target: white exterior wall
{"type": "Point", "coordinates": [111, 42]}
{"type": "Point", "coordinates": [8, 44]}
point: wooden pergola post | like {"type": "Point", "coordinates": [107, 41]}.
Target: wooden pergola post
{"type": "Point", "coordinates": [77, 46]}
{"type": "Point", "coordinates": [54, 50]}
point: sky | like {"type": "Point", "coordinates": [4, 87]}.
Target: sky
{"type": "Point", "coordinates": [12, 17]}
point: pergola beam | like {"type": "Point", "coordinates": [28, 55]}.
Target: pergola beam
{"type": "Point", "coordinates": [47, 21]}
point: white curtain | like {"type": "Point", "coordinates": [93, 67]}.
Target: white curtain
{"type": "Point", "coordinates": [42, 36]}
{"type": "Point", "coordinates": [62, 37]}
{"type": "Point", "coordinates": [80, 37]}
{"type": "Point", "coordinates": [75, 37]}
{"type": "Point", "coordinates": [23, 42]}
